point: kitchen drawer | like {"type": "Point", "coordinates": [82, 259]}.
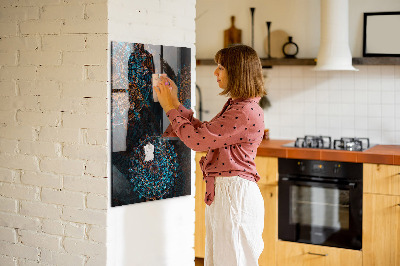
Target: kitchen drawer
{"type": "Point", "coordinates": [298, 254]}
{"type": "Point", "coordinates": [267, 168]}
{"type": "Point", "coordinates": [381, 179]}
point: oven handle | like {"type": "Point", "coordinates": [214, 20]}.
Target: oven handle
{"type": "Point", "coordinates": [297, 181]}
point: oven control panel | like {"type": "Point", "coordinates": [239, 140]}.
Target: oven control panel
{"type": "Point", "coordinates": [330, 169]}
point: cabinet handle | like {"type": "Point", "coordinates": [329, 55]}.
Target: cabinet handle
{"type": "Point", "coordinates": [398, 204]}
{"type": "Point", "coordinates": [318, 254]}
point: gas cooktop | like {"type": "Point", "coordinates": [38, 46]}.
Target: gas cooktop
{"type": "Point", "coordinates": [325, 142]}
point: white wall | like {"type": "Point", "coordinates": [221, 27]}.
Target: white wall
{"type": "Point", "coordinates": [299, 18]}
{"type": "Point", "coordinates": [338, 104]}
{"type": "Point", "coordinates": [158, 232]}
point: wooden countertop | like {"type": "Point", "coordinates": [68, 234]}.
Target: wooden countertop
{"type": "Point", "coordinates": [379, 154]}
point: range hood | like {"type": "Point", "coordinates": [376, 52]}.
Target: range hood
{"type": "Point", "coordinates": [334, 51]}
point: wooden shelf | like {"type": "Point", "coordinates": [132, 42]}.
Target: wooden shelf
{"type": "Point", "coordinates": [376, 61]}
{"type": "Point", "coordinates": [312, 61]}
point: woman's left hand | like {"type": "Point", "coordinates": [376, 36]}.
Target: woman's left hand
{"type": "Point", "coordinates": [163, 90]}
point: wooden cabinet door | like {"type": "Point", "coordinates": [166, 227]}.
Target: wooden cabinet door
{"type": "Point", "coordinates": [381, 179]}
{"type": "Point", "coordinates": [200, 207]}
{"type": "Point", "coordinates": [297, 254]}
{"type": "Point", "coordinates": [381, 230]}
{"type": "Point", "coordinates": [267, 168]}
{"type": "Point", "coordinates": [270, 233]}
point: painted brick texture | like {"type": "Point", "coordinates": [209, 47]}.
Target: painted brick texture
{"type": "Point", "coordinates": [53, 132]}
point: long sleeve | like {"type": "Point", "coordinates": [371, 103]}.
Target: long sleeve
{"type": "Point", "coordinates": [225, 130]}
{"type": "Point", "coordinates": [186, 113]}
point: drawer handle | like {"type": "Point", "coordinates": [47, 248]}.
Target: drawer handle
{"type": "Point", "coordinates": [318, 254]}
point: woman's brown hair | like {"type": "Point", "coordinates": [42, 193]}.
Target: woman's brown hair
{"type": "Point", "coordinates": [245, 78]}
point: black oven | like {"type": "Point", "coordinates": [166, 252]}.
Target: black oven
{"type": "Point", "coordinates": [320, 202]}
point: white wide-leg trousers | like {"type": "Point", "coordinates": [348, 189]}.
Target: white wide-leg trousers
{"type": "Point", "coordinates": [234, 223]}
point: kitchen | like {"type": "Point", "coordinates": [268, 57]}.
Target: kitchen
{"type": "Point", "coordinates": [304, 102]}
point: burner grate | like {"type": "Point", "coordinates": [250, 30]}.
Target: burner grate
{"type": "Point", "coordinates": [351, 144]}
{"type": "Point", "coordinates": [320, 142]}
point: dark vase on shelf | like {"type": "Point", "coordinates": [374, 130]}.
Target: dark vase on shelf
{"type": "Point", "coordinates": [290, 49]}
{"type": "Point", "coordinates": [269, 38]}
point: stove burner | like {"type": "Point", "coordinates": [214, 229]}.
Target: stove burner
{"type": "Point", "coordinates": [308, 141]}
{"type": "Point", "coordinates": [324, 142]}
{"type": "Point", "coordinates": [351, 144]}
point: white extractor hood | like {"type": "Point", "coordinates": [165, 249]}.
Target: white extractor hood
{"type": "Point", "coordinates": [334, 51]}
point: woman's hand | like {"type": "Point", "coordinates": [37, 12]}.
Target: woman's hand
{"type": "Point", "coordinates": [174, 92]}
{"type": "Point", "coordinates": [164, 90]}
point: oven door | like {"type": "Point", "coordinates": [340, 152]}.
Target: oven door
{"type": "Point", "coordinates": [320, 212]}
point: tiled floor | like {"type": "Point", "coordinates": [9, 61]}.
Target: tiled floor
{"type": "Point", "coordinates": [199, 262]}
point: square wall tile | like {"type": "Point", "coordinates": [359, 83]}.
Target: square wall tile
{"type": "Point", "coordinates": [388, 110]}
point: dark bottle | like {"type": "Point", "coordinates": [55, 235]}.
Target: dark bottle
{"type": "Point", "coordinates": [290, 49]}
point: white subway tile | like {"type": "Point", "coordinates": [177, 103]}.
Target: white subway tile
{"type": "Point", "coordinates": [334, 109]}
{"type": "Point", "coordinates": [388, 110]}
{"type": "Point", "coordinates": [347, 109]}
{"type": "Point", "coordinates": [322, 121]}
{"type": "Point", "coordinates": [374, 97]}
{"type": "Point", "coordinates": [374, 111]}
{"type": "Point", "coordinates": [322, 109]}
{"type": "Point", "coordinates": [388, 124]}
{"type": "Point", "coordinates": [375, 136]}
{"type": "Point", "coordinates": [348, 96]}
{"type": "Point", "coordinates": [388, 97]}
{"type": "Point", "coordinates": [388, 137]}
{"type": "Point", "coordinates": [374, 124]}
{"type": "Point", "coordinates": [348, 132]}
{"type": "Point", "coordinates": [347, 122]}
{"type": "Point", "coordinates": [335, 95]}
{"type": "Point", "coordinates": [335, 122]}
{"type": "Point", "coordinates": [361, 124]}
{"type": "Point", "coordinates": [322, 96]}
{"type": "Point", "coordinates": [387, 72]}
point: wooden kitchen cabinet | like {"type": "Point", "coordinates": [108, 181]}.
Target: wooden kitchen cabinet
{"type": "Point", "coordinates": [200, 207]}
{"type": "Point", "coordinates": [267, 168]}
{"type": "Point", "coordinates": [381, 179]}
{"type": "Point", "coordinates": [381, 215]}
{"type": "Point", "coordinates": [381, 230]}
{"type": "Point", "coordinates": [270, 233]}
{"type": "Point", "coordinates": [298, 254]}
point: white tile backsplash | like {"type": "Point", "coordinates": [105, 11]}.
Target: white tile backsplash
{"type": "Point", "coordinates": [364, 103]}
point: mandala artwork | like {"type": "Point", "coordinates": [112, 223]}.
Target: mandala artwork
{"type": "Point", "coordinates": [146, 166]}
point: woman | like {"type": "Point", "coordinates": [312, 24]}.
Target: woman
{"type": "Point", "coordinates": [235, 207]}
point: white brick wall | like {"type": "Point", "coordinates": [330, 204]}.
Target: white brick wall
{"type": "Point", "coordinates": [53, 137]}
